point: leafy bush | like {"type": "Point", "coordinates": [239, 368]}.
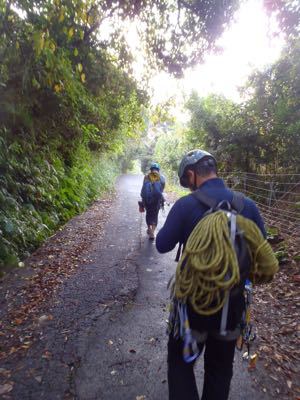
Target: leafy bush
{"type": "Point", "coordinates": [40, 193]}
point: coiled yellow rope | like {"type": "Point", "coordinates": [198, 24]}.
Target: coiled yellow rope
{"type": "Point", "coordinates": [209, 256]}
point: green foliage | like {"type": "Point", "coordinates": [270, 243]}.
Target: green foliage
{"type": "Point", "coordinates": [288, 15]}
{"type": "Point", "coordinates": [174, 34]}
{"type": "Point", "coordinates": [261, 135]}
{"type": "Point", "coordinates": [282, 255]}
{"type": "Point", "coordinates": [66, 112]}
{"type": "Point", "coordinates": [275, 107]}
{"type": "Point", "coordinates": [39, 193]}
{"type": "Point", "coordinates": [169, 149]}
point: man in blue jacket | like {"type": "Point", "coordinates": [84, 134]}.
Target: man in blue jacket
{"type": "Point", "coordinates": [198, 170]}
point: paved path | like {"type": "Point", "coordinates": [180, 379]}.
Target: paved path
{"type": "Point", "coordinates": [124, 355]}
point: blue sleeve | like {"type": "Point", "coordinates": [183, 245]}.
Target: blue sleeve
{"type": "Point", "coordinates": [256, 217]}
{"type": "Point", "coordinates": [171, 232]}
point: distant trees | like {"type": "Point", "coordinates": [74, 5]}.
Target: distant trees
{"type": "Point", "coordinates": [260, 135]}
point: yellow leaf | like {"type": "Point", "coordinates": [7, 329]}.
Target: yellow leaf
{"type": "Point", "coordinates": [84, 16]}
{"type": "Point", "coordinates": [42, 43]}
{"type": "Point", "coordinates": [57, 88]}
{"type": "Point", "coordinates": [52, 47]}
{"type": "Point", "coordinates": [90, 19]}
{"type": "Point", "coordinates": [71, 32]}
{"type": "Point", "coordinates": [61, 17]}
{"type": "Point", "coordinates": [75, 52]}
{"type": "Point", "coordinates": [38, 42]}
{"type": "Point", "coordinates": [6, 388]}
{"type": "Point", "coordinates": [17, 45]}
{"type": "Point", "coordinates": [36, 85]}
{"type": "Point", "coordinates": [79, 67]}
{"type": "Point", "coordinates": [81, 35]}
{"type": "Point", "coordinates": [82, 76]}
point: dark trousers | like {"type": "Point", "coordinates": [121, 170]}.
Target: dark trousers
{"type": "Point", "coordinates": [152, 214]}
{"type": "Point", "coordinates": [218, 365]}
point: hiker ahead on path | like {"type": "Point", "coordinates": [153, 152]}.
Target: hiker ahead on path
{"type": "Point", "coordinates": [208, 292]}
{"type": "Point", "coordinates": [152, 197]}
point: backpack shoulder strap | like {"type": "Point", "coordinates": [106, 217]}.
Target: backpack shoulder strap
{"type": "Point", "coordinates": [203, 198]}
{"type": "Point", "coordinates": [238, 202]}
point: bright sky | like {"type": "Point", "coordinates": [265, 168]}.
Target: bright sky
{"type": "Point", "coordinates": [247, 45]}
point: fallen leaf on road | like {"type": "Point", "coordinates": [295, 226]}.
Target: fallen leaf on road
{"type": "Point", "coordinates": [252, 362]}
{"type": "Point", "coordinates": [289, 383]}
{"type": "Point", "coordinates": [140, 398]}
{"type": "Point", "coordinates": [6, 388]}
{"type": "Point", "coordinates": [13, 350]}
{"type": "Point", "coordinates": [5, 372]}
{"type": "Point", "coordinates": [110, 342]}
{"type": "Point", "coordinates": [26, 346]}
{"type": "Point", "coordinates": [38, 378]}
{"type": "Point", "coordinates": [113, 372]}
{"type": "Point", "coordinates": [17, 321]}
{"type": "Point", "coordinates": [47, 355]}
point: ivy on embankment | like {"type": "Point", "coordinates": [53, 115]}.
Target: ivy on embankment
{"type": "Point", "coordinates": [67, 109]}
{"type": "Point", "coordinates": [38, 193]}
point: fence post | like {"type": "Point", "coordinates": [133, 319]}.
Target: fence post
{"type": "Point", "coordinates": [245, 181]}
{"type": "Point", "coordinates": [272, 194]}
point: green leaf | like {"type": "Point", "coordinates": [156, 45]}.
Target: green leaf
{"type": "Point", "coordinates": [8, 227]}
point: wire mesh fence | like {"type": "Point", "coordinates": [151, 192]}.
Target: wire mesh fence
{"type": "Point", "coordinates": [277, 196]}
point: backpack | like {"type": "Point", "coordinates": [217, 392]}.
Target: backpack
{"type": "Point", "coordinates": [234, 296]}
{"type": "Point", "coordinates": [205, 297]}
{"type": "Point", "coordinates": [152, 189]}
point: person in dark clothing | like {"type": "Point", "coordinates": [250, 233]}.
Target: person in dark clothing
{"type": "Point", "coordinates": [198, 170]}
{"type": "Point", "coordinates": [152, 197]}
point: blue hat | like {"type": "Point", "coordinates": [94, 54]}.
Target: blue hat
{"type": "Point", "coordinates": [155, 165]}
